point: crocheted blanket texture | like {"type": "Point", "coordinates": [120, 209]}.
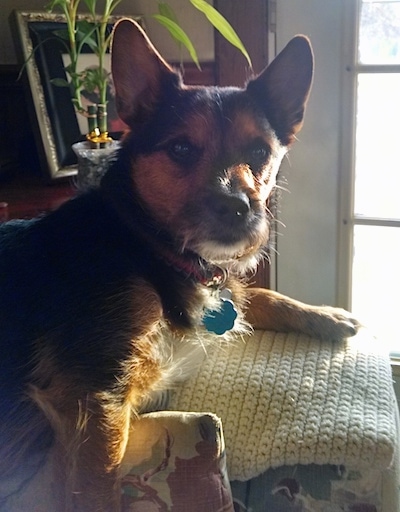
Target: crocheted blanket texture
{"type": "Point", "coordinates": [286, 399]}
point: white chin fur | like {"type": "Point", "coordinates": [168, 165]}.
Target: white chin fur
{"type": "Point", "coordinates": [238, 257]}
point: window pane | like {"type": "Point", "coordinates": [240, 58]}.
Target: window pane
{"type": "Point", "coordinates": [377, 162]}
{"type": "Point", "coordinates": [376, 282]}
{"type": "Point", "coordinates": [379, 41]}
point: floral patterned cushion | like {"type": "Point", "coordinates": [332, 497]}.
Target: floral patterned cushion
{"type": "Point", "coordinates": [176, 462]}
{"type": "Point", "coordinates": [327, 488]}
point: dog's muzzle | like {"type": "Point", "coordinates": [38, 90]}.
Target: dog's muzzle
{"type": "Point", "coordinates": [232, 208]}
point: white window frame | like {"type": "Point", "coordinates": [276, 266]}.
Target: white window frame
{"type": "Point", "coordinates": [347, 170]}
{"type": "Point", "coordinates": [348, 220]}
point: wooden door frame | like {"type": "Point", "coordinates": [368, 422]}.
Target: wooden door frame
{"type": "Point", "coordinates": [250, 20]}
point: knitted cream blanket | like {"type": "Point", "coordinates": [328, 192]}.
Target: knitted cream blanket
{"type": "Point", "coordinates": [288, 399]}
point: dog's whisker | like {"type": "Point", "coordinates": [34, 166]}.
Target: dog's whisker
{"type": "Point", "coordinates": [282, 188]}
{"type": "Point", "coordinates": [278, 222]}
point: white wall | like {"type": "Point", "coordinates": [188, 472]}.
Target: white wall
{"type": "Point", "coordinates": [306, 265]}
{"type": "Point", "coordinates": [307, 260]}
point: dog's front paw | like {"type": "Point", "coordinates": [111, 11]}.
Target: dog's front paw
{"type": "Point", "coordinates": [271, 310]}
{"type": "Point", "coordinates": [327, 322]}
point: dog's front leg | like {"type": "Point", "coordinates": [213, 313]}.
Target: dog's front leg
{"type": "Point", "coordinates": [90, 439]}
{"type": "Point", "coordinates": [272, 311]}
{"type": "Point", "coordinates": [97, 450]}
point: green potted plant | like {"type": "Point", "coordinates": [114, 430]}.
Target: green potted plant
{"type": "Point", "coordinates": [95, 32]}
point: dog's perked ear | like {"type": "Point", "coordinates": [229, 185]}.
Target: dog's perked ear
{"type": "Point", "coordinates": [282, 89]}
{"type": "Point", "coordinates": [139, 72]}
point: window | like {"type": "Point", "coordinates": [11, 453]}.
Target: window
{"type": "Point", "coordinates": [370, 268]}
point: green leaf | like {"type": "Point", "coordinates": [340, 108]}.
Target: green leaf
{"type": "Point", "coordinates": [166, 10]}
{"type": "Point", "coordinates": [54, 3]}
{"type": "Point", "coordinates": [91, 5]}
{"type": "Point", "coordinates": [178, 34]}
{"type": "Point", "coordinates": [32, 55]}
{"type": "Point", "coordinates": [84, 33]}
{"type": "Point", "coordinates": [222, 25]}
{"type": "Point", "coordinates": [69, 69]}
{"type": "Point", "coordinates": [59, 82]}
{"type": "Point", "coordinates": [61, 34]}
{"type": "Point", "coordinates": [85, 27]}
{"type": "Point", "coordinates": [92, 78]}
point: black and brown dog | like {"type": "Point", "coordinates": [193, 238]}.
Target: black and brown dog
{"type": "Point", "coordinates": [106, 299]}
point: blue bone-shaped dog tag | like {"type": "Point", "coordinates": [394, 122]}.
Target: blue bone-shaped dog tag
{"type": "Point", "coordinates": [220, 320]}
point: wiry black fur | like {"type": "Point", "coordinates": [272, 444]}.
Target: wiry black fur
{"type": "Point", "coordinates": [60, 273]}
{"type": "Point", "coordinates": [60, 277]}
{"type": "Point", "coordinates": [75, 330]}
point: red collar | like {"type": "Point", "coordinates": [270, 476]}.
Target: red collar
{"type": "Point", "coordinates": [195, 267]}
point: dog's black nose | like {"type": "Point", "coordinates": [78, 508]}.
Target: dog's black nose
{"type": "Point", "coordinates": [232, 207]}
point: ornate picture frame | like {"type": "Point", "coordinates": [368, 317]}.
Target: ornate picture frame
{"type": "Point", "coordinates": [52, 114]}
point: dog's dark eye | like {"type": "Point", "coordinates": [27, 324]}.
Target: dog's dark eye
{"type": "Point", "coordinates": [257, 157]}
{"type": "Point", "coordinates": [183, 151]}
{"type": "Point", "coordinates": [259, 153]}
